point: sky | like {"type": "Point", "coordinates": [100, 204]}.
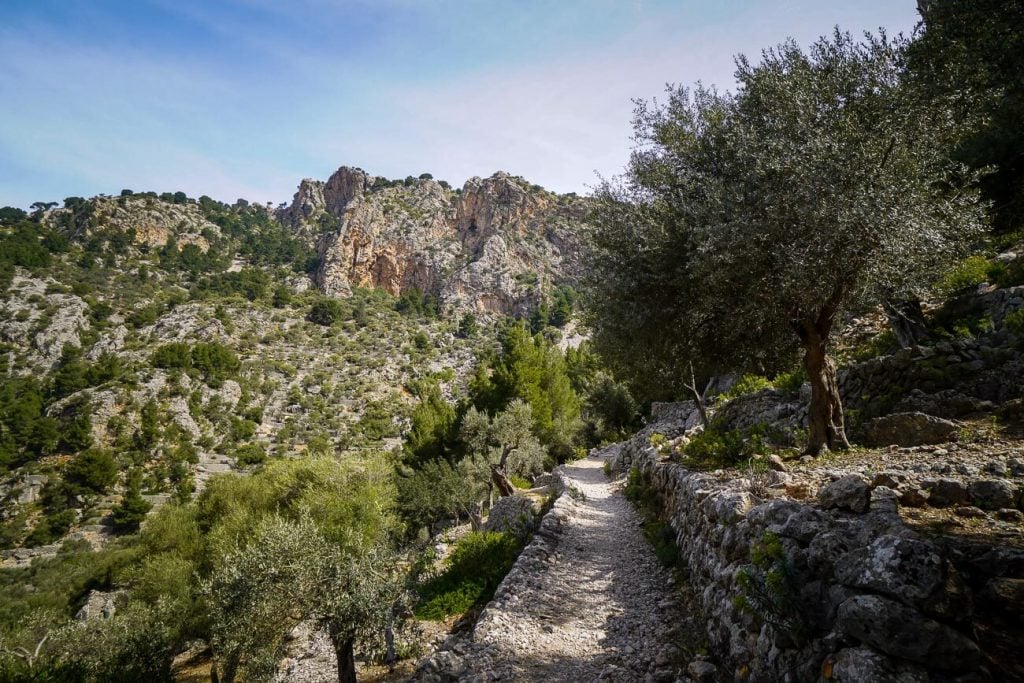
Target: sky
{"type": "Point", "coordinates": [243, 98]}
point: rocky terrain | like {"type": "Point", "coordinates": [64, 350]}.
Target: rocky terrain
{"type": "Point", "coordinates": [494, 245]}
{"type": "Point", "coordinates": [587, 600]}
{"type": "Point", "coordinates": [131, 276]}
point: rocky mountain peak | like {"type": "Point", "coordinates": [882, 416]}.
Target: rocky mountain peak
{"type": "Point", "coordinates": [493, 246]}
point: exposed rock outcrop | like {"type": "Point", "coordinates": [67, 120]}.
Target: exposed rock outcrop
{"type": "Point", "coordinates": [492, 246]}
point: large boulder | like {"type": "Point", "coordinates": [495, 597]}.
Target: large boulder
{"type": "Point", "coordinates": [992, 494]}
{"type": "Point", "coordinates": [909, 429]}
{"type": "Point", "coordinates": [900, 631]}
{"type": "Point", "coordinates": [512, 513]}
{"type": "Point", "coordinates": [850, 493]}
{"type": "Point", "coordinates": [904, 568]}
{"type": "Point", "coordinates": [859, 664]}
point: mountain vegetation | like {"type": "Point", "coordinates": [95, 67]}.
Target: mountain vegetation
{"type": "Point", "coordinates": [221, 424]}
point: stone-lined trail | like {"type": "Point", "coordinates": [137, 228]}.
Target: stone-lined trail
{"type": "Point", "coordinates": [587, 600]}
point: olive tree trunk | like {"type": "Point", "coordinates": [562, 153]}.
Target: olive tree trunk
{"type": "Point", "coordinates": [345, 651]}
{"type": "Point", "coordinates": [827, 430]}
{"type": "Point", "coordinates": [499, 473]}
{"type": "Point", "coordinates": [906, 320]}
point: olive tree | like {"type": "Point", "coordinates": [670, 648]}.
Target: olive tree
{"type": "Point", "coordinates": [292, 572]}
{"type": "Point", "coordinates": [817, 188]}
{"type": "Point", "coordinates": [502, 445]}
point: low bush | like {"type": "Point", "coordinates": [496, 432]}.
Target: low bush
{"type": "Point", "coordinates": [747, 384]}
{"type": "Point", "coordinates": [1014, 321]}
{"type": "Point", "coordinates": [715, 447]}
{"type": "Point", "coordinates": [472, 573]}
{"type": "Point", "coordinates": [970, 272]}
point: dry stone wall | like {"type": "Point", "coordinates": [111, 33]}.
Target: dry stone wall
{"type": "Point", "coordinates": [838, 588]}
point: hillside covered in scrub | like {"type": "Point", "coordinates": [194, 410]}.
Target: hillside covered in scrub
{"type": "Point", "coordinates": [752, 410]}
{"type": "Point", "coordinates": [155, 344]}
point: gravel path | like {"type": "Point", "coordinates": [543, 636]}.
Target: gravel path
{"type": "Point", "coordinates": [587, 600]}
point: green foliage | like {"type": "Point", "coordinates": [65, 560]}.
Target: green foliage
{"type": "Point", "coordinates": [970, 53]}
{"type": "Point", "coordinates": [28, 245]}
{"type": "Point", "coordinates": [172, 355]}
{"type": "Point", "coordinates": [747, 384]}
{"type": "Point", "coordinates": [10, 215]}
{"type": "Point", "coordinates": [436, 490]}
{"type": "Point", "coordinates": [250, 454]}
{"type": "Point", "coordinates": [39, 598]}
{"type": "Point", "coordinates": [148, 432]}
{"type": "Point", "coordinates": [214, 360]}
{"type": "Point", "coordinates": [969, 273]}
{"type": "Point", "coordinates": [472, 572]}
{"type": "Point", "coordinates": [468, 326]}
{"type": "Point", "coordinates": [129, 513]}
{"type": "Point", "coordinates": [433, 429]}
{"type": "Point", "coordinates": [76, 430]}
{"type": "Point", "coordinates": [93, 471]}
{"type": "Point", "coordinates": [636, 488]}
{"type": "Point", "coordinates": [74, 374]}
{"type": "Point", "coordinates": [252, 283]}
{"type": "Point", "coordinates": [770, 590]}
{"type": "Point", "coordinates": [282, 297]}
{"type": "Point", "coordinates": [1014, 321]}
{"type": "Point", "coordinates": [50, 528]}
{"type": "Point", "coordinates": [790, 382]}
{"type": "Point", "coordinates": [726, 448]}
{"type": "Point", "coordinates": [531, 369]}
{"type": "Point", "coordinates": [415, 302]}
{"type": "Point", "coordinates": [881, 344]}
{"type": "Point", "coordinates": [325, 311]}
{"type": "Point", "coordinates": [25, 431]}
{"type": "Point", "coordinates": [746, 222]}
{"type": "Point", "coordinates": [504, 441]}
{"type": "Point", "coordinates": [376, 423]}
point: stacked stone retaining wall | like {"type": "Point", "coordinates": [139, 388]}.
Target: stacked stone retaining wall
{"type": "Point", "coordinates": [851, 593]}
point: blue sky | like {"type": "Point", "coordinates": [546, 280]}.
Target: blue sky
{"type": "Point", "coordinates": [243, 98]}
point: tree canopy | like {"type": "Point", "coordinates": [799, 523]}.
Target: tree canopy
{"type": "Point", "coordinates": [747, 223]}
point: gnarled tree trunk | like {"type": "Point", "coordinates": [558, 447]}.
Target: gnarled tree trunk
{"type": "Point", "coordinates": [345, 651]}
{"type": "Point", "coordinates": [501, 481]}
{"type": "Point", "coordinates": [499, 473]}
{"type": "Point", "coordinates": [827, 429]}
{"type": "Point", "coordinates": [906, 320]}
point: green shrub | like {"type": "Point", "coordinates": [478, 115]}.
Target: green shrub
{"type": "Point", "coordinates": [520, 482]}
{"type": "Point", "coordinates": [636, 488]}
{"type": "Point", "coordinates": [50, 528]}
{"type": "Point", "coordinates": [882, 344]}
{"type": "Point", "coordinates": [214, 360]}
{"type": "Point", "coordinates": [130, 512]}
{"type": "Point", "coordinates": [93, 470]}
{"type": "Point", "coordinates": [747, 384]}
{"type": "Point", "coordinates": [790, 382]}
{"type": "Point", "coordinates": [724, 448]}
{"type": "Point", "coordinates": [970, 272]}
{"type": "Point", "coordinates": [325, 312]}
{"type": "Point", "coordinates": [250, 454]}
{"type": "Point", "coordinates": [1014, 321]}
{"type": "Point", "coordinates": [472, 572]}
{"type": "Point", "coordinates": [173, 355]}
{"type": "Point", "coordinates": [769, 589]}
{"type": "Point", "coordinates": [663, 540]}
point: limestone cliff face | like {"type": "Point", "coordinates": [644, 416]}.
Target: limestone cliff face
{"type": "Point", "coordinates": [493, 246]}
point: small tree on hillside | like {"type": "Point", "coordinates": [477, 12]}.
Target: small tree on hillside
{"type": "Point", "coordinates": [817, 188]}
{"type": "Point", "coordinates": [503, 444]}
